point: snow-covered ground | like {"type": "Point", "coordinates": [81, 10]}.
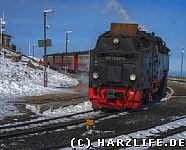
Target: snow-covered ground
{"type": "Point", "coordinates": [85, 106]}
{"type": "Point", "coordinates": [177, 79]}
{"type": "Point", "coordinates": [18, 79]}
{"type": "Point", "coordinates": [72, 109]}
{"type": "Point", "coordinates": [143, 134]}
{"type": "Point", "coordinates": [138, 135]}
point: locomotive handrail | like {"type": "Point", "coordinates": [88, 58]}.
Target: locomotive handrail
{"type": "Point", "coordinates": [112, 51]}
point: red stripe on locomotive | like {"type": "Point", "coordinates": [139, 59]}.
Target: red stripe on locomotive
{"type": "Point", "coordinates": [131, 99]}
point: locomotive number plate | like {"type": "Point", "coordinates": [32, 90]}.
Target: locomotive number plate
{"type": "Point", "coordinates": [115, 58]}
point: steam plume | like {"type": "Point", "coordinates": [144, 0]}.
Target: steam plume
{"type": "Point", "coordinates": [113, 4]}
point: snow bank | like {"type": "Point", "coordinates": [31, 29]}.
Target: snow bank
{"type": "Point", "coordinates": [20, 79]}
{"type": "Point", "coordinates": [72, 109]}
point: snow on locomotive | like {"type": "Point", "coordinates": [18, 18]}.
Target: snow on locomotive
{"type": "Point", "coordinates": [128, 68]}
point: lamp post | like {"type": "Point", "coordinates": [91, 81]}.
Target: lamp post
{"type": "Point", "coordinates": [1, 33]}
{"type": "Point", "coordinates": [45, 47]}
{"type": "Point", "coordinates": [182, 52]}
{"type": "Point", "coordinates": [67, 41]}
{"type": "Point", "coordinates": [33, 49]}
{"type": "Point", "coordinates": [2, 25]}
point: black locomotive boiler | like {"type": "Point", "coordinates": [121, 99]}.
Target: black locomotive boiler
{"type": "Point", "coordinates": [128, 67]}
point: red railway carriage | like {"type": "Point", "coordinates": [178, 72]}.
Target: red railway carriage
{"type": "Point", "coordinates": [83, 62]}
{"type": "Point", "coordinates": [76, 61]}
{"type": "Point", "coordinates": [55, 60]}
{"type": "Point", "coordinates": [128, 67]}
{"type": "Point", "coordinates": [71, 61]}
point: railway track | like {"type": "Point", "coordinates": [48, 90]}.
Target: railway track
{"type": "Point", "coordinates": [157, 135]}
{"type": "Point", "coordinates": [171, 133]}
{"type": "Point", "coordinates": [40, 125]}
{"type": "Point", "coordinates": [45, 125]}
{"type": "Point", "coordinates": [51, 127]}
{"type": "Point", "coordinates": [153, 132]}
{"type": "Point", "coordinates": [177, 80]}
{"type": "Point", "coordinates": [36, 123]}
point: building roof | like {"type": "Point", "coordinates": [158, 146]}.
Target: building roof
{"type": "Point", "coordinates": [69, 53]}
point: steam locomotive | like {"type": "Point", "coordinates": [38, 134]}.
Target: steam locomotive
{"type": "Point", "coordinates": [128, 67]}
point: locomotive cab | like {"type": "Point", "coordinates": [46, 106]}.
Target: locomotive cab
{"type": "Point", "coordinates": [116, 76]}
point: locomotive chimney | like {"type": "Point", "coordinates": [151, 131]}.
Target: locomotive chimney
{"type": "Point", "coordinates": [124, 29]}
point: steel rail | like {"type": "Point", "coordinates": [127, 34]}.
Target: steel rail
{"type": "Point", "coordinates": [27, 123]}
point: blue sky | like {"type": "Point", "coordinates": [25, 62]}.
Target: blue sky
{"type": "Point", "coordinates": [88, 19]}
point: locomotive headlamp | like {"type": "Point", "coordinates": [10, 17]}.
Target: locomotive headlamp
{"type": "Point", "coordinates": [132, 77]}
{"type": "Point", "coordinates": [95, 75]}
{"type": "Point", "coordinates": [115, 40]}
